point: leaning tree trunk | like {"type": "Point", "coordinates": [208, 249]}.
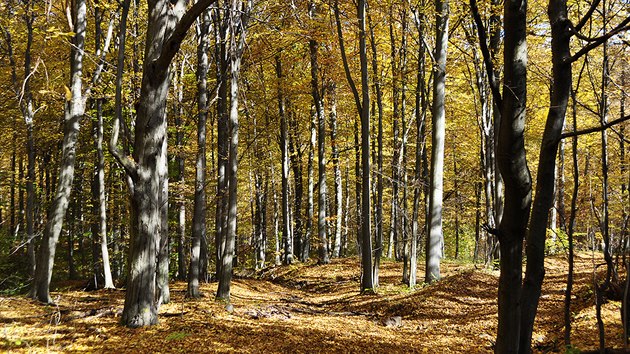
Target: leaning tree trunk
{"type": "Point", "coordinates": [74, 112]}
{"type": "Point", "coordinates": [435, 238]}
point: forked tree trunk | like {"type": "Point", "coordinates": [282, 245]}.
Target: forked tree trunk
{"type": "Point", "coordinates": [164, 35]}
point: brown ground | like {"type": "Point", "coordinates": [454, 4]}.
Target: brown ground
{"type": "Point", "coordinates": [310, 308]}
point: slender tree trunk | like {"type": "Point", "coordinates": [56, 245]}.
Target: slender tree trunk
{"type": "Point", "coordinates": [378, 222]}
{"type": "Point", "coordinates": [420, 112]}
{"type": "Point", "coordinates": [100, 196]}
{"type": "Point", "coordinates": [435, 237]}
{"type": "Point", "coordinates": [284, 151]}
{"type": "Point", "coordinates": [336, 170]}
{"type": "Point", "coordinates": [322, 226]}
{"type": "Point", "coordinates": [221, 29]}
{"type": "Point", "coordinates": [238, 26]}
{"type": "Point", "coordinates": [310, 212]}
{"type": "Point", "coordinates": [571, 226]}
{"type": "Point", "coordinates": [199, 211]}
{"type": "Point", "coordinates": [367, 277]}
{"type": "Point", "coordinates": [74, 112]}
{"type": "Point", "coordinates": [296, 164]}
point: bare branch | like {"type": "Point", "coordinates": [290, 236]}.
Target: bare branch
{"type": "Point", "coordinates": [496, 94]}
{"type": "Point", "coordinates": [587, 16]}
{"type": "Point", "coordinates": [595, 129]}
{"type": "Point", "coordinates": [596, 42]}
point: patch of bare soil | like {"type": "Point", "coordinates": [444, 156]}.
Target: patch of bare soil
{"type": "Point", "coordinates": [307, 308]}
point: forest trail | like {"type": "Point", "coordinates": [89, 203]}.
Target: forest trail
{"type": "Point", "coordinates": [311, 308]}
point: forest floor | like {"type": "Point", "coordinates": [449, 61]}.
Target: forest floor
{"type": "Point", "coordinates": [312, 308]}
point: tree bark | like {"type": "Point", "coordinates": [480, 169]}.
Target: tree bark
{"type": "Point", "coordinates": [74, 112]}
{"type": "Point", "coordinates": [513, 166]}
{"type": "Point", "coordinates": [284, 152]}
{"type": "Point", "coordinates": [199, 211]}
{"type": "Point", "coordinates": [435, 237]}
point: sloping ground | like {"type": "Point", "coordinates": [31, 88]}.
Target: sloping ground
{"type": "Point", "coordinates": [309, 308]}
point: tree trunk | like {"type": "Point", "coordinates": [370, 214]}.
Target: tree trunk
{"type": "Point", "coordinates": [378, 223]}
{"type": "Point", "coordinates": [336, 170]}
{"type": "Point", "coordinates": [199, 211]}
{"type": "Point", "coordinates": [367, 276]}
{"type": "Point", "coordinates": [513, 166]}
{"type": "Point", "coordinates": [284, 152]}
{"type": "Point", "coordinates": [100, 196]}
{"type": "Point", "coordinates": [74, 112]}
{"type": "Point", "coordinates": [164, 35]}
{"type": "Point", "coordinates": [238, 27]}
{"type": "Point", "coordinates": [322, 226]}
{"type": "Point", "coordinates": [435, 237]}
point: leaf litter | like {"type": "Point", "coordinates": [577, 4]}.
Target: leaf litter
{"type": "Point", "coordinates": [309, 308]}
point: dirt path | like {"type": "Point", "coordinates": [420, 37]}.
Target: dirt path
{"type": "Point", "coordinates": [308, 308]}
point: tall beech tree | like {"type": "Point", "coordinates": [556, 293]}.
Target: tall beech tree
{"type": "Point", "coordinates": [435, 237]}
{"type": "Point", "coordinates": [238, 18]}
{"type": "Point", "coordinates": [199, 213]}
{"type": "Point", "coordinates": [167, 27]}
{"type": "Point", "coordinates": [74, 110]}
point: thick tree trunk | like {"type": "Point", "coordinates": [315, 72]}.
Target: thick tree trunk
{"type": "Point", "coordinates": [164, 35]}
{"type": "Point", "coordinates": [435, 237]}
{"type": "Point", "coordinates": [513, 166]}
{"type": "Point", "coordinates": [74, 113]}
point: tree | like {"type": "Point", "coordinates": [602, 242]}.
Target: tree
{"type": "Point", "coordinates": [167, 27]}
{"type": "Point", "coordinates": [199, 213]}
{"type": "Point", "coordinates": [239, 16]}
{"type": "Point", "coordinates": [74, 110]}
{"type": "Point", "coordinates": [435, 238]}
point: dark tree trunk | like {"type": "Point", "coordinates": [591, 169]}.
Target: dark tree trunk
{"type": "Point", "coordinates": [199, 212]}
{"type": "Point", "coordinates": [513, 166]}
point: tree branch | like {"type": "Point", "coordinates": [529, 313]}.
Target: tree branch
{"type": "Point", "coordinates": [587, 16]}
{"type": "Point", "coordinates": [346, 68]}
{"type": "Point", "coordinates": [596, 42]}
{"type": "Point", "coordinates": [496, 94]}
{"type": "Point", "coordinates": [172, 44]}
{"type": "Point", "coordinates": [595, 129]}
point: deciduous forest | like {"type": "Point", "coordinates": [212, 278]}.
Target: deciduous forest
{"type": "Point", "coordinates": [315, 176]}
